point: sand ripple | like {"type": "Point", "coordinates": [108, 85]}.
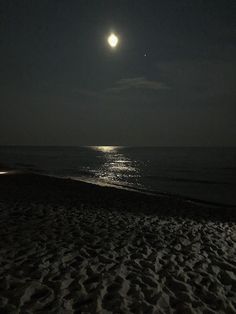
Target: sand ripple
{"type": "Point", "coordinates": [74, 260]}
{"type": "Point", "coordinates": [84, 259]}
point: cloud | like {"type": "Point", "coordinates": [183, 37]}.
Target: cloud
{"type": "Point", "coordinates": [138, 83]}
{"type": "Point", "coordinates": [120, 87]}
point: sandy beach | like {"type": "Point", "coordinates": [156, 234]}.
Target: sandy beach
{"type": "Point", "coordinates": [72, 247]}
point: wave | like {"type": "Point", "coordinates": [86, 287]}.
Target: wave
{"type": "Point", "coordinates": [134, 188]}
{"type": "Point", "coordinates": [175, 179]}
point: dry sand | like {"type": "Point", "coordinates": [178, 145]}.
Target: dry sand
{"type": "Point", "coordinates": [71, 247]}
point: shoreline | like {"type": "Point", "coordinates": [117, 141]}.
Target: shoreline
{"type": "Point", "coordinates": [98, 183]}
{"type": "Point", "coordinates": [217, 210]}
{"type": "Point", "coordinates": [150, 192]}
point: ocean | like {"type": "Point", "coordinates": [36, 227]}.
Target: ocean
{"type": "Point", "coordinates": [207, 174]}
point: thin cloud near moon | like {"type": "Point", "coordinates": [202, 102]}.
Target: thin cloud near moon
{"type": "Point", "coordinates": [137, 83]}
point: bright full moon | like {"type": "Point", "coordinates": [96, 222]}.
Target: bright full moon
{"type": "Point", "coordinates": [113, 40]}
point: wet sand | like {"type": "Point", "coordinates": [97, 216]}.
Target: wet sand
{"type": "Point", "coordinates": [72, 247]}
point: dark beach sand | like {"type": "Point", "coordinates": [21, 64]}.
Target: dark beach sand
{"type": "Point", "coordinates": [72, 247]}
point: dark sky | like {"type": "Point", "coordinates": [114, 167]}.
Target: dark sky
{"type": "Point", "coordinates": [61, 84]}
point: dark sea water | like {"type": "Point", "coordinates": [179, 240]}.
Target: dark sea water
{"type": "Point", "coordinates": [207, 174]}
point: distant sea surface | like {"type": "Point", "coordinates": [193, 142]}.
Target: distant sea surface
{"type": "Point", "coordinates": [207, 174]}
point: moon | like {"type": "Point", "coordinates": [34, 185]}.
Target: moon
{"type": "Point", "coordinates": [112, 40]}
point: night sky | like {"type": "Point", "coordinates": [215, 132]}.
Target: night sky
{"type": "Point", "coordinates": [170, 81]}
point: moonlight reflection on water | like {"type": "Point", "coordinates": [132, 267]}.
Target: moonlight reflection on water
{"type": "Point", "coordinates": [105, 149]}
{"type": "Point", "coordinates": [116, 167]}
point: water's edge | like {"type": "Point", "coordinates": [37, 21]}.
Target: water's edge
{"type": "Point", "coordinates": [137, 190]}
